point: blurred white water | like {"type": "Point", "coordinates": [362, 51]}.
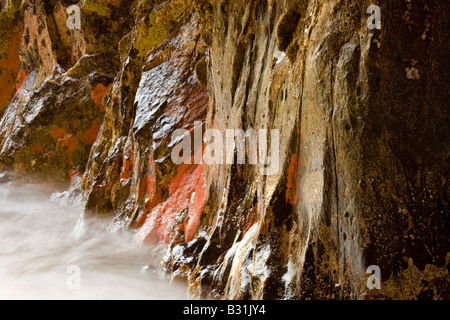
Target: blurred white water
{"type": "Point", "coordinates": [40, 255]}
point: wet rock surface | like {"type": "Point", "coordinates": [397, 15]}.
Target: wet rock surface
{"type": "Point", "coordinates": [363, 118]}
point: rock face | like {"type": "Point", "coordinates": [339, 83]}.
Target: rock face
{"type": "Point", "coordinates": [362, 114]}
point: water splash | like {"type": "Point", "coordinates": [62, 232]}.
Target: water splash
{"type": "Point", "coordinates": [39, 246]}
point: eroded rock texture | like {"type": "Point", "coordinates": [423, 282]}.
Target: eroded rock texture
{"type": "Point", "coordinates": [363, 116]}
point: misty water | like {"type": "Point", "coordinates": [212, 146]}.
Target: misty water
{"type": "Point", "coordinates": [44, 255]}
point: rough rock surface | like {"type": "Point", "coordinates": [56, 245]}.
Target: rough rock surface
{"type": "Point", "coordinates": [363, 117]}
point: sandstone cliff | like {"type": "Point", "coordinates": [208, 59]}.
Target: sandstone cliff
{"type": "Point", "coordinates": [362, 114]}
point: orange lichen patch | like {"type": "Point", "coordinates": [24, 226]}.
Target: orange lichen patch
{"type": "Point", "coordinates": [184, 172]}
{"type": "Point", "coordinates": [126, 168]}
{"type": "Point", "coordinates": [125, 173]}
{"type": "Point", "coordinates": [98, 94]}
{"type": "Point", "coordinates": [151, 193]}
{"type": "Point", "coordinates": [58, 133]}
{"type": "Point", "coordinates": [292, 175]}
{"type": "Point", "coordinates": [70, 142]}
{"type": "Point", "coordinates": [193, 188]}
{"type": "Point", "coordinates": [148, 190]}
{"type": "Point", "coordinates": [9, 69]}
{"type": "Point", "coordinates": [90, 136]}
{"type": "Point", "coordinates": [180, 212]}
{"type": "Point", "coordinates": [21, 77]}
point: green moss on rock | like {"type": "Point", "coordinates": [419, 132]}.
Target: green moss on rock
{"type": "Point", "coordinates": [9, 18]}
{"type": "Point", "coordinates": [97, 7]}
{"type": "Point", "coordinates": [204, 10]}
{"type": "Point", "coordinates": [157, 26]}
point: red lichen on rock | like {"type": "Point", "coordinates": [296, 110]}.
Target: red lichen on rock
{"type": "Point", "coordinates": [9, 70]}
{"type": "Point", "coordinates": [292, 174]}
{"type": "Point", "coordinates": [70, 142]}
{"type": "Point", "coordinates": [90, 136]}
{"type": "Point", "coordinates": [150, 192]}
{"type": "Point", "coordinates": [98, 94]}
{"type": "Point", "coordinates": [181, 212]}
{"type": "Point", "coordinates": [21, 77]}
